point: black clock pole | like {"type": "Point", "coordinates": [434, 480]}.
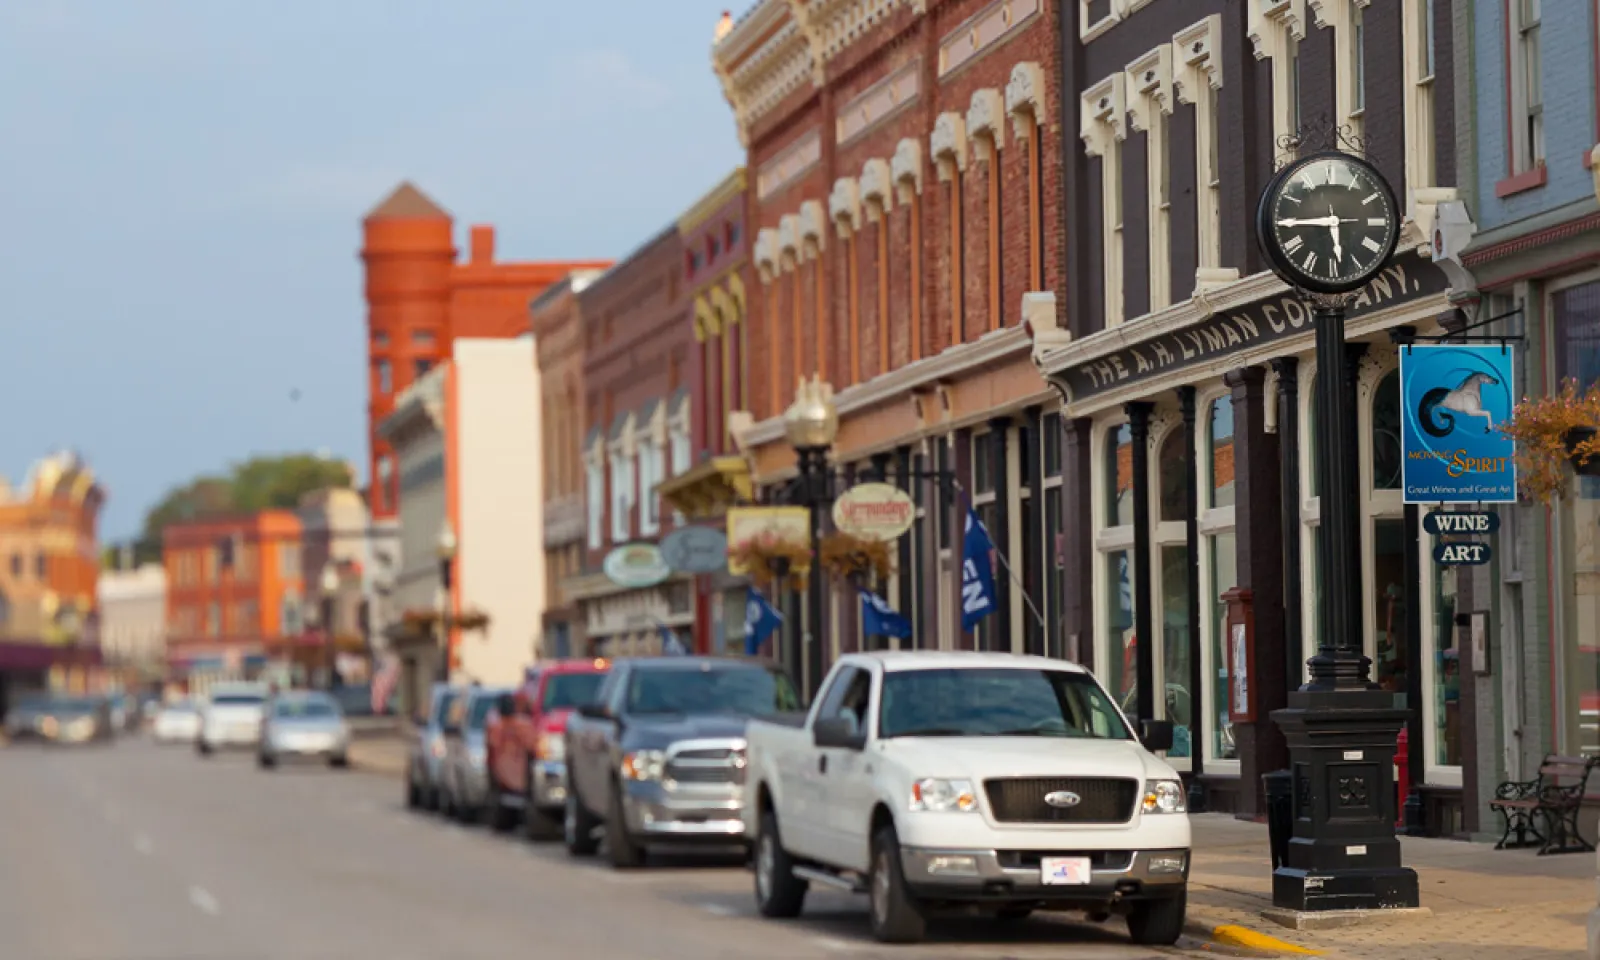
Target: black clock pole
{"type": "Point", "coordinates": [1342, 853]}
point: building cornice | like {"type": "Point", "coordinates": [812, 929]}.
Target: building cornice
{"type": "Point", "coordinates": [422, 402]}
{"type": "Point", "coordinates": [731, 186]}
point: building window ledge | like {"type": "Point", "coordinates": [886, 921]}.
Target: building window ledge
{"type": "Point", "coordinates": [1530, 179]}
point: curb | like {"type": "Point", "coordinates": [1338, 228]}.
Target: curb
{"type": "Point", "coordinates": [1234, 935]}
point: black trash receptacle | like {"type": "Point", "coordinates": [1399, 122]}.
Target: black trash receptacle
{"type": "Point", "coordinates": [1279, 786]}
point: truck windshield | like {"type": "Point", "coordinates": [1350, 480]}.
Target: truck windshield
{"type": "Point", "coordinates": [1001, 702]}
{"type": "Point", "coordinates": [738, 690]}
{"type": "Point", "coordinates": [564, 690]}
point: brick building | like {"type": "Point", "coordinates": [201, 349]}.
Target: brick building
{"type": "Point", "coordinates": [49, 567]}
{"type": "Point", "coordinates": [558, 332]}
{"type": "Point", "coordinates": [715, 259]}
{"type": "Point", "coordinates": [420, 299]}
{"type": "Point", "coordinates": [638, 343]}
{"type": "Point", "coordinates": [1187, 370]}
{"type": "Point", "coordinates": [904, 202]}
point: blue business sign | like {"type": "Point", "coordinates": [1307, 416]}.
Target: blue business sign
{"type": "Point", "coordinates": [1453, 400]}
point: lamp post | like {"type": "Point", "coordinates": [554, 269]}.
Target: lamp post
{"type": "Point", "coordinates": [330, 587]}
{"type": "Point", "coordinates": [447, 562]}
{"type": "Point", "coordinates": [811, 423]}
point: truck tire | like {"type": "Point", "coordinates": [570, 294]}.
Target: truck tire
{"type": "Point", "coordinates": [413, 793]}
{"type": "Point", "coordinates": [535, 825]}
{"type": "Point", "coordinates": [779, 893]}
{"type": "Point", "coordinates": [577, 827]}
{"type": "Point", "coordinates": [896, 916]}
{"type": "Point", "coordinates": [625, 854]}
{"type": "Point", "coordinates": [1158, 923]}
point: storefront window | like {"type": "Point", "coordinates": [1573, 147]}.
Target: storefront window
{"type": "Point", "coordinates": [1174, 460]}
{"type": "Point", "coordinates": [1224, 577]}
{"type": "Point", "coordinates": [1120, 641]}
{"type": "Point", "coordinates": [1386, 454]}
{"type": "Point", "coordinates": [1575, 317]}
{"type": "Point", "coordinates": [1446, 671]}
{"type": "Point", "coordinates": [1175, 642]}
{"type": "Point", "coordinates": [1119, 464]}
{"type": "Point", "coordinates": [1221, 439]}
{"type": "Point", "coordinates": [1389, 603]}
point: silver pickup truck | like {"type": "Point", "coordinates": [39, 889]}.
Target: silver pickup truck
{"type": "Point", "coordinates": [659, 757]}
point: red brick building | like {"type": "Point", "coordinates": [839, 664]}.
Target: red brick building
{"type": "Point", "coordinates": [638, 348]}
{"type": "Point", "coordinates": [904, 197]}
{"type": "Point", "coordinates": [419, 300]}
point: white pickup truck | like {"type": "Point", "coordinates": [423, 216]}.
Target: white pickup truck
{"type": "Point", "coordinates": [935, 780]}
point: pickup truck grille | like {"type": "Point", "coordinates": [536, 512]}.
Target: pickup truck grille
{"type": "Point", "coordinates": [715, 765]}
{"type": "Point", "coordinates": [1101, 800]}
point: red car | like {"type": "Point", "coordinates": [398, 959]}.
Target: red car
{"type": "Point", "coordinates": [527, 751]}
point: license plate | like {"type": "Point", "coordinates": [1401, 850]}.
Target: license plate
{"type": "Point", "coordinates": [1065, 871]}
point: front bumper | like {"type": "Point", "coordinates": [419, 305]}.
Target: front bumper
{"type": "Point", "coordinates": [306, 747]}
{"type": "Point", "coordinates": [549, 785]}
{"type": "Point", "coordinates": [713, 816]}
{"type": "Point", "coordinates": [1016, 875]}
{"type": "Point", "coordinates": [231, 737]}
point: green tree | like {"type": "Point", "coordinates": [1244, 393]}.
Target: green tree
{"type": "Point", "coordinates": [260, 483]}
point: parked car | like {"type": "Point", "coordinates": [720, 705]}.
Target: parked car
{"type": "Point", "coordinates": [527, 746]}
{"type": "Point", "coordinates": [177, 722]}
{"type": "Point", "coordinates": [425, 757]}
{"type": "Point", "coordinates": [954, 779]}
{"type": "Point", "coordinates": [466, 761]}
{"type": "Point", "coordinates": [660, 755]}
{"type": "Point", "coordinates": [62, 719]}
{"type": "Point", "coordinates": [304, 725]}
{"type": "Point", "coordinates": [231, 717]}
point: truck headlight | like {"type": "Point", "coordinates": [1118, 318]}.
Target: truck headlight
{"type": "Point", "coordinates": [1164, 796]}
{"type": "Point", "coordinates": [933, 795]}
{"type": "Point", "coordinates": [644, 765]}
{"type": "Point", "coordinates": [550, 747]}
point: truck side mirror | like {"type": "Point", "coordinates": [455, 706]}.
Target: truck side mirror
{"type": "Point", "coordinates": [837, 732]}
{"type": "Point", "coordinates": [1156, 735]}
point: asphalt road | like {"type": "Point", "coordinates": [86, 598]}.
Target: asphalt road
{"type": "Point", "coordinates": [139, 852]}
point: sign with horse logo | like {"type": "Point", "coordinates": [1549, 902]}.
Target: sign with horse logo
{"type": "Point", "coordinates": [1453, 400]}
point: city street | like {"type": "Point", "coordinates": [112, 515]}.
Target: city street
{"type": "Point", "coordinates": [137, 852]}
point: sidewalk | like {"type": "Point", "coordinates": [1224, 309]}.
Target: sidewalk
{"type": "Point", "coordinates": [1499, 904]}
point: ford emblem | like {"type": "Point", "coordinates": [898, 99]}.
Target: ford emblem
{"type": "Point", "coordinates": [1062, 799]}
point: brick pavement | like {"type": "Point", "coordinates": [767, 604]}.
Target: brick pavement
{"type": "Point", "coordinates": [1504, 905]}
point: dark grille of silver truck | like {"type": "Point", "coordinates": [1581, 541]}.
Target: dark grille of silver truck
{"type": "Point", "coordinates": [710, 766]}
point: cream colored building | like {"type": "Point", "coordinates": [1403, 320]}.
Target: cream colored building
{"type": "Point", "coordinates": [133, 617]}
{"type": "Point", "coordinates": [467, 449]}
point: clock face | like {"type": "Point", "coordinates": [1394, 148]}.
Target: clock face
{"type": "Point", "coordinates": [1328, 223]}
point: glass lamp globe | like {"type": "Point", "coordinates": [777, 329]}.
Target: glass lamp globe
{"type": "Point", "coordinates": [812, 421]}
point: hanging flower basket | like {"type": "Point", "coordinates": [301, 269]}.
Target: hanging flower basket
{"type": "Point", "coordinates": [764, 556]}
{"type": "Point", "coordinates": [1552, 433]}
{"type": "Point", "coordinates": [855, 560]}
{"type": "Point", "coordinates": [425, 620]}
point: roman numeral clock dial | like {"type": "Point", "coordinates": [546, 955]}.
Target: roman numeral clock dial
{"type": "Point", "coordinates": [1328, 223]}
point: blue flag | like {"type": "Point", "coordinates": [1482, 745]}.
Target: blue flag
{"type": "Point", "coordinates": [760, 620]}
{"type": "Point", "coordinates": [878, 619]}
{"type": "Point", "coordinates": [977, 573]}
{"type": "Point", "coordinates": [671, 646]}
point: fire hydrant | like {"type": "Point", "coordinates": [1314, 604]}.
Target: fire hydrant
{"type": "Point", "coordinates": [1402, 778]}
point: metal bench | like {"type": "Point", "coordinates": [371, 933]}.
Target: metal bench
{"type": "Point", "coordinates": [1553, 800]}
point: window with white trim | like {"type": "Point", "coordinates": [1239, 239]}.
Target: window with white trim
{"type": "Point", "coordinates": [1416, 23]}
{"type": "Point", "coordinates": [1276, 29]}
{"type": "Point", "coordinates": [1103, 128]}
{"type": "Point", "coordinates": [1111, 487]}
{"type": "Point", "coordinates": [650, 462]}
{"type": "Point", "coordinates": [1527, 85]}
{"type": "Point", "coordinates": [678, 444]}
{"type": "Point", "coordinates": [595, 497]}
{"type": "Point", "coordinates": [622, 452]}
{"type": "Point", "coordinates": [1149, 107]}
{"type": "Point", "coordinates": [1197, 76]}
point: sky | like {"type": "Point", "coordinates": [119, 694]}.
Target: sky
{"type": "Point", "coordinates": [182, 184]}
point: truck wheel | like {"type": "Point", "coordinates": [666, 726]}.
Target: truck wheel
{"type": "Point", "coordinates": [1158, 922]}
{"type": "Point", "coordinates": [779, 893]}
{"type": "Point", "coordinates": [413, 794]}
{"type": "Point", "coordinates": [624, 852]}
{"type": "Point", "coordinates": [896, 918]}
{"type": "Point", "coordinates": [535, 825]}
{"type": "Point", "coordinates": [577, 827]}
{"type": "Point", "coordinates": [502, 816]}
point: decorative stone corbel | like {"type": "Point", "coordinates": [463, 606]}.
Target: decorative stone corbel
{"type": "Point", "coordinates": [844, 206]}
{"type": "Point", "coordinates": [1103, 116]}
{"type": "Point", "coordinates": [986, 119]}
{"type": "Point", "coordinates": [1150, 83]}
{"type": "Point", "coordinates": [1039, 321]}
{"type": "Point", "coordinates": [766, 253]}
{"type": "Point", "coordinates": [877, 188]}
{"type": "Point", "coordinates": [813, 228]}
{"type": "Point", "coordinates": [1271, 21]}
{"type": "Point", "coordinates": [1452, 231]}
{"type": "Point", "coordinates": [948, 144]}
{"type": "Point", "coordinates": [1025, 98]}
{"type": "Point", "coordinates": [1197, 59]}
{"type": "Point", "coordinates": [906, 168]}
{"type": "Point", "coordinates": [788, 240]}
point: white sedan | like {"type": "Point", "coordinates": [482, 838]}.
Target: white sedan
{"type": "Point", "coordinates": [177, 722]}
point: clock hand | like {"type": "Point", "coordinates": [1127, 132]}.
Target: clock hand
{"type": "Point", "coordinates": [1333, 227]}
{"type": "Point", "coordinates": [1315, 222]}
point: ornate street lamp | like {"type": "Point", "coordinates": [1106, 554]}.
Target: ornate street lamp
{"type": "Point", "coordinates": [811, 423]}
{"type": "Point", "coordinates": [330, 588]}
{"type": "Point", "coordinates": [447, 561]}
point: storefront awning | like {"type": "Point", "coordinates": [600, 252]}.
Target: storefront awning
{"type": "Point", "coordinates": [709, 489]}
